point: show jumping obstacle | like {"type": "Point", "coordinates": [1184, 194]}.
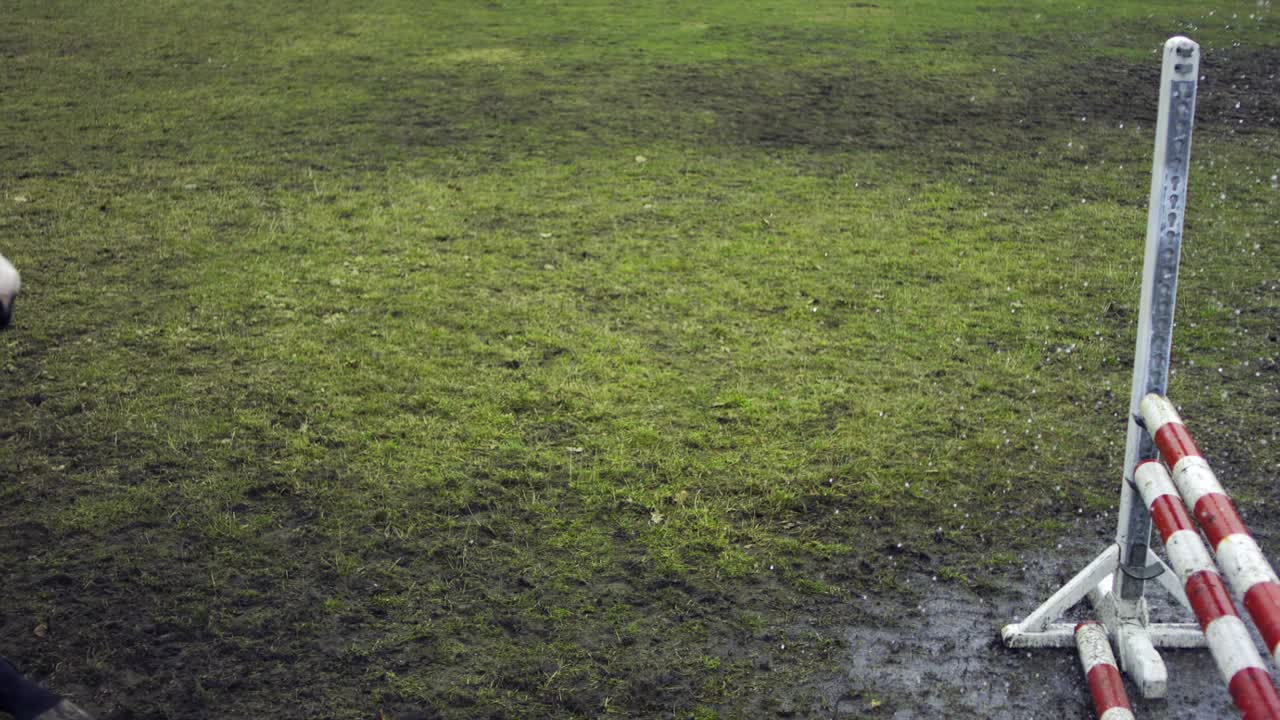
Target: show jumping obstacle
{"type": "Point", "coordinates": [1115, 580]}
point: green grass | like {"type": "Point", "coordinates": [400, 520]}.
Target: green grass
{"type": "Point", "coordinates": [534, 359]}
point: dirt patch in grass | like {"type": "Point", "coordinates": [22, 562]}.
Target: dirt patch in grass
{"type": "Point", "coordinates": [836, 108]}
{"type": "Point", "coordinates": [1241, 89]}
{"type": "Point", "coordinates": [861, 107]}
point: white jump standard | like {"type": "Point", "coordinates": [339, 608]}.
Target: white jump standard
{"type": "Point", "coordinates": [1115, 581]}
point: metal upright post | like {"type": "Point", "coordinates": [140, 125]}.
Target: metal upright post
{"type": "Point", "coordinates": [1178, 79]}
{"type": "Point", "coordinates": [1179, 76]}
{"type": "Point", "coordinates": [1116, 579]}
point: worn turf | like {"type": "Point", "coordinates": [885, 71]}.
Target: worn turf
{"type": "Point", "coordinates": [525, 359]}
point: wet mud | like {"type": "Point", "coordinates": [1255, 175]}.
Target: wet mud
{"type": "Point", "coordinates": [943, 657]}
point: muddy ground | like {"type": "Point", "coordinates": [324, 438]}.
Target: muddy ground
{"type": "Point", "coordinates": [943, 658]}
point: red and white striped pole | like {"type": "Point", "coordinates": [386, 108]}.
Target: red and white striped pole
{"type": "Point", "coordinates": [1238, 660]}
{"type": "Point", "coordinates": [1246, 568]}
{"type": "Point", "coordinates": [1110, 701]}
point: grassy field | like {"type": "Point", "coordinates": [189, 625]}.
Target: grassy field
{"type": "Point", "coordinates": [530, 359]}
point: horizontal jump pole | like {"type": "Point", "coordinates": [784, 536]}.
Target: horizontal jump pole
{"type": "Point", "coordinates": [1110, 701]}
{"type": "Point", "coordinates": [1246, 568]}
{"type": "Point", "coordinates": [1229, 642]}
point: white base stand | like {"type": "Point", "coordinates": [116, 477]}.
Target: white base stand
{"type": "Point", "coordinates": [1127, 622]}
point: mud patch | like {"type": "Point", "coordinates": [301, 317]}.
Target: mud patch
{"type": "Point", "coordinates": [867, 108]}
{"type": "Point", "coordinates": [943, 658]}
{"type": "Point", "coordinates": [1241, 89]}
{"type": "Point", "coordinates": [825, 108]}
